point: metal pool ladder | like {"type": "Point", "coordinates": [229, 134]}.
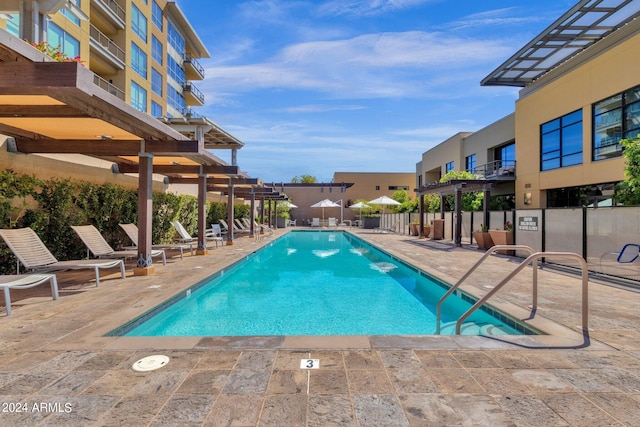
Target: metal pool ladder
{"type": "Point", "coordinates": [532, 258]}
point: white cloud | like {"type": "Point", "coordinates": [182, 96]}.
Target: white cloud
{"type": "Point", "coordinates": [366, 7]}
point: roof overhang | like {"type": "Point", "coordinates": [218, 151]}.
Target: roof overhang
{"type": "Point", "coordinates": [196, 47]}
{"type": "Point", "coordinates": [55, 107]}
{"type": "Point", "coordinates": [214, 136]}
{"type": "Point", "coordinates": [582, 26]}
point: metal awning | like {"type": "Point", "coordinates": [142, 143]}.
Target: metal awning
{"type": "Point", "coordinates": [214, 136]}
{"type": "Point", "coordinates": [586, 23]}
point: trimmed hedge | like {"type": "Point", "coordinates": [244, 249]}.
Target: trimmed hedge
{"type": "Point", "coordinates": [51, 206]}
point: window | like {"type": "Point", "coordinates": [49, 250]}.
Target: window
{"type": "Point", "coordinates": [377, 187]}
{"type": "Point", "coordinates": [175, 70]}
{"type": "Point", "coordinates": [449, 167]}
{"type": "Point", "coordinates": [175, 99]}
{"type": "Point", "coordinates": [470, 163]}
{"type": "Point", "coordinates": [156, 49]}
{"type": "Point", "coordinates": [138, 22]}
{"type": "Point", "coordinates": [175, 38]}
{"type": "Point", "coordinates": [156, 82]}
{"type": "Point", "coordinates": [561, 142]}
{"type": "Point", "coordinates": [57, 37]}
{"type": "Point", "coordinates": [13, 24]}
{"type": "Point", "coordinates": [398, 187]}
{"type": "Point", "coordinates": [615, 118]}
{"type": "Point", "coordinates": [156, 15]}
{"type": "Point", "coordinates": [156, 109]}
{"type": "Point", "coordinates": [138, 60]}
{"type": "Point", "coordinates": [70, 15]}
{"type": "Point", "coordinates": [138, 97]}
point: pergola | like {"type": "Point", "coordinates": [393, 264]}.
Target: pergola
{"type": "Point", "coordinates": [56, 107]}
{"type": "Point", "coordinates": [457, 187]}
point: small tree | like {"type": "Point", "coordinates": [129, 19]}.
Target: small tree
{"type": "Point", "coordinates": [304, 179]}
{"type": "Point", "coordinates": [470, 201]}
{"type": "Point", "coordinates": [627, 192]}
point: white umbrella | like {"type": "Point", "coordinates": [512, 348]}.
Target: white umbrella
{"type": "Point", "coordinates": [359, 205]}
{"type": "Point", "coordinates": [384, 200]}
{"type": "Point", "coordinates": [326, 203]}
{"type": "Point", "coordinates": [289, 204]}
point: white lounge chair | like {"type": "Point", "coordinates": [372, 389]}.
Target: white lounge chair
{"type": "Point", "coordinates": [132, 232]}
{"type": "Point", "coordinates": [315, 222]}
{"type": "Point", "coordinates": [25, 281]}
{"type": "Point", "coordinates": [333, 222]}
{"type": "Point", "coordinates": [392, 229]}
{"type": "Point", "coordinates": [99, 247]}
{"type": "Point", "coordinates": [185, 237]}
{"type": "Point", "coordinates": [225, 227]}
{"type": "Point", "coordinates": [34, 255]}
{"type": "Point", "coordinates": [216, 234]}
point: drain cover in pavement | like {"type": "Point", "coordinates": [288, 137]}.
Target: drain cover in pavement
{"type": "Point", "coordinates": [150, 363]}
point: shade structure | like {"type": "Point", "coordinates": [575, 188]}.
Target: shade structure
{"type": "Point", "coordinates": [359, 206]}
{"type": "Point", "coordinates": [326, 203]}
{"type": "Point", "coordinates": [384, 201]}
{"type": "Point", "coordinates": [288, 204]}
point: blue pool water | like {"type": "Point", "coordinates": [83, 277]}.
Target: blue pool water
{"type": "Point", "coordinates": [316, 283]}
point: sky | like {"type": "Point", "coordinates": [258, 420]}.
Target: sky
{"type": "Point", "coordinates": [324, 86]}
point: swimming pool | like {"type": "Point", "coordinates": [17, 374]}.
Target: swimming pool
{"type": "Point", "coordinates": [316, 283]}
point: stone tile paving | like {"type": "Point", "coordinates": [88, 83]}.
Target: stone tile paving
{"type": "Point", "coordinates": [56, 368]}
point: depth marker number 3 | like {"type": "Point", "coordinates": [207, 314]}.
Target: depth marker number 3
{"type": "Point", "coordinates": [309, 363]}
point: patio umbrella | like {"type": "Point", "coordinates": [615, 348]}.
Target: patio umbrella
{"type": "Point", "coordinates": [326, 203]}
{"type": "Point", "coordinates": [289, 204]}
{"type": "Point", "coordinates": [384, 201]}
{"type": "Point", "coordinates": [360, 206]}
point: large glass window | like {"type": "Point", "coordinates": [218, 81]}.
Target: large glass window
{"type": "Point", "coordinates": [175, 99]}
{"type": "Point", "coordinates": [470, 165]}
{"type": "Point", "coordinates": [175, 38]}
{"type": "Point", "coordinates": [57, 37]}
{"type": "Point", "coordinates": [156, 15]}
{"type": "Point", "coordinates": [156, 109]}
{"type": "Point", "coordinates": [138, 22]}
{"type": "Point", "coordinates": [615, 118]}
{"type": "Point", "coordinates": [156, 49]}
{"type": "Point", "coordinates": [156, 82]}
{"type": "Point", "coordinates": [561, 142]}
{"type": "Point", "coordinates": [449, 167]}
{"type": "Point", "coordinates": [138, 97]}
{"type": "Point", "coordinates": [175, 70]}
{"type": "Point", "coordinates": [138, 60]}
{"type": "Point", "coordinates": [70, 16]}
{"type": "Point", "coordinates": [13, 24]}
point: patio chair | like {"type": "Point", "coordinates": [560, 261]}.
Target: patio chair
{"type": "Point", "coordinates": [99, 247]}
{"type": "Point", "coordinates": [225, 227]}
{"type": "Point", "coordinates": [216, 234]}
{"type": "Point", "coordinates": [34, 255]}
{"type": "Point", "coordinates": [391, 229]}
{"type": "Point", "coordinates": [332, 222]}
{"type": "Point", "coordinates": [26, 281]}
{"type": "Point", "coordinates": [185, 237]}
{"type": "Point", "coordinates": [315, 222]}
{"type": "Point", "coordinates": [132, 232]}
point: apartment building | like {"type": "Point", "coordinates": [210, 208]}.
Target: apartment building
{"type": "Point", "coordinates": [580, 96]}
{"type": "Point", "coordinates": [144, 52]}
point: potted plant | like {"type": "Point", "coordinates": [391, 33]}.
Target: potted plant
{"type": "Point", "coordinates": [503, 237]}
{"type": "Point", "coordinates": [413, 228]}
{"type": "Point", "coordinates": [483, 238]}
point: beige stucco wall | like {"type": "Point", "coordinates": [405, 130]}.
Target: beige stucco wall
{"type": "Point", "coordinates": [434, 161]}
{"type": "Point", "coordinates": [607, 74]}
{"type": "Point", "coordinates": [370, 185]}
{"type": "Point", "coordinates": [483, 142]}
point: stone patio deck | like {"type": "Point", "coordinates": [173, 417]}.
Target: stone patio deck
{"type": "Point", "coordinates": [57, 368]}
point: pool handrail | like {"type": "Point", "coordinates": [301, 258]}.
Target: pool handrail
{"type": "Point", "coordinates": [533, 258]}
{"type": "Point", "coordinates": [489, 251]}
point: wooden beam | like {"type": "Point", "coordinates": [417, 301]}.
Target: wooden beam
{"type": "Point", "coordinates": [182, 169]}
{"type": "Point", "coordinates": [213, 181]}
{"type": "Point", "coordinates": [105, 147]}
{"type": "Point", "coordinates": [38, 111]}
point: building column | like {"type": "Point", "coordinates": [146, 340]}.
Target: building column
{"type": "Point", "coordinates": [202, 214]}
{"type": "Point", "coordinates": [421, 221]}
{"type": "Point", "coordinates": [252, 214]}
{"type": "Point", "coordinates": [485, 208]}
{"type": "Point", "coordinates": [458, 213]}
{"type": "Point", "coordinates": [230, 213]}
{"type": "Point", "coordinates": [144, 265]}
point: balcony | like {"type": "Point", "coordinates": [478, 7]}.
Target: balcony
{"type": "Point", "coordinates": [192, 96]}
{"type": "Point", "coordinates": [107, 48]}
{"type": "Point", "coordinates": [110, 12]}
{"type": "Point", "coordinates": [498, 169]}
{"type": "Point", "coordinates": [113, 90]}
{"type": "Point", "coordinates": [192, 68]}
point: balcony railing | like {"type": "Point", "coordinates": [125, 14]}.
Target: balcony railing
{"type": "Point", "coordinates": [190, 91]}
{"type": "Point", "coordinates": [107, 43]}
{"type": "Point", "coordinates": [115, 8]}
{"type": "Point", "coordinates": [496, 169]}
{"type": "Point", "coordinates": [191, 64]}
{"type": "Point", "coordinates": [109, 87]}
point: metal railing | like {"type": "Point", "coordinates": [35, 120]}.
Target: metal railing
{"type": "Point", "coordinates": [486, 255]}
{"type": "Point", "coordinates": [497, 168]}
{"type": "Point", "coordinates": [189, 59]}
{"type": "Point", "coordinates": [533, 258]}
{"type": "Point", "coordinates": [109, 87]}
{"type": "Point", "coordinates": [107, 43]}
{"type": "Point", "coordinates": [189, 87]}
{"type": "Point", "coordinates": [115, 8]}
